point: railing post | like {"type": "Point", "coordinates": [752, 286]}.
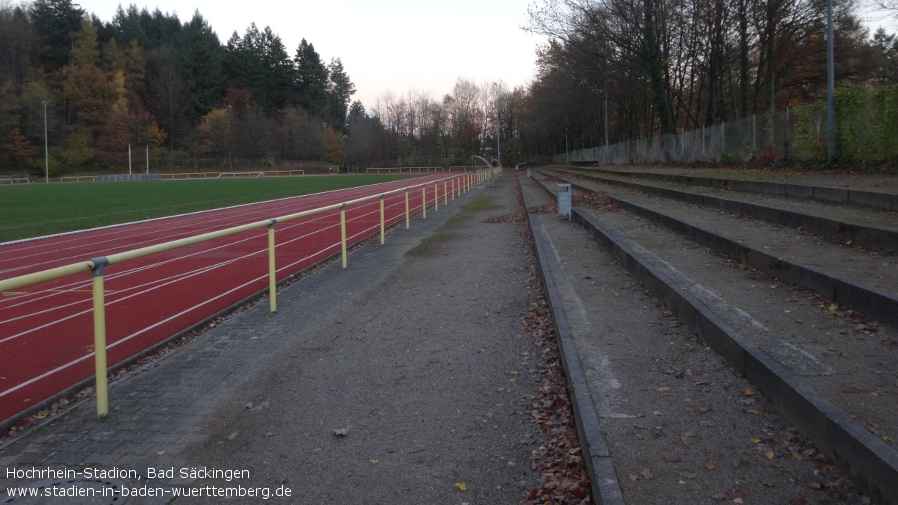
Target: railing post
{"type": "Point", "coordinates": [382, 223]}
{"type": "Point", "coordinates": [423, 201]}
{"type": "Point", "coordinates": [272, 270]}
{"type": "Point", "coordinates": [343, 232]}
{"type": "Point", "coordinates": [100, 337]}
{"type": "Point", "coordinates": [445, 192]}
{"type": "Point", "coordinates": [453, 189]}
{"type": "Point", "coordinates": [407, 218]}
{"type": "Point", "coordinates": [436, 196]}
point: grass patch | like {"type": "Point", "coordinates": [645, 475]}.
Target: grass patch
{"type": "Point", "coordinates": [34, 210]}
{"type": "Point", "coordinates": [457, 219]}
{"type": "Point", "coordinates": [479, 203]}
{"type": "Point", "coordinates": [427, 246]}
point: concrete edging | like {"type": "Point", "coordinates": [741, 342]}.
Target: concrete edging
{"type": "Point", "coordinates": [603, 480]}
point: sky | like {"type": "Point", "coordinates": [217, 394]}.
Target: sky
{"type": "Point", "coordinates": [386, 46]}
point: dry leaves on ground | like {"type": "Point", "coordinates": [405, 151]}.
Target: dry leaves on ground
{"type": "Point", "coordinates": [559, 461]}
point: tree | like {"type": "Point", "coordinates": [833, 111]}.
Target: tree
{"type": "Point", "coordinates": [340, 90]}
{"type": "Point", "coordinates": [19, 45]}
{"type": "Point", "coordinates": [57, 22]}
{"type": "Point", "coordinates": [311, 80]}
{"type": "Point", "coordinates": [200, 62]}
{"type": "Point", "coordinates": [333, 147]}
{"type": "Point", "coordinates": [244, 65]}
{"type": "Point", "coordinates": [168, 96]}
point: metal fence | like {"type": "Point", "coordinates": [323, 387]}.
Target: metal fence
{"type": "Point", "coordinates": [765, 137]}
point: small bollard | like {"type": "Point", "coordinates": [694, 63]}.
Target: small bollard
{"type": "Point", "coordinates": [564, 200]}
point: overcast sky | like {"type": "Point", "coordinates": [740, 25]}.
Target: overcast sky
{"type": "Point", "coordinates": [385, 45]}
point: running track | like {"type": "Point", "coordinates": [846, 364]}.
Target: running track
{"type": "Point", "coordinates": [46, 330]}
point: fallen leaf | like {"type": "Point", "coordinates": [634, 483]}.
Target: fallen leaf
{"type": "Point", "coordinates": [462, 486]}
{"type": "Point", "coordinates": [710, 467]}
{"type": "Point", "coordinates": [754, 411]}
{"type": "Point", "coordinates": [769, 454]}
{"type": "Point", "coordinates": [673, 460]}
{"type": "Point", "coordinates": [736, 494]}
{"type": "Point", "coordinates": [647, 474]}
{"type": "Point", "coordinates": [373, 461]}
{"type": "Point", "coordinates": [748, 392]}
{"type": "Point", "coordinates": [342, 432]}
{"type": "Point", "coordinates": [755, 440]}
{"type": "Point", "coordinates": [874, 394]}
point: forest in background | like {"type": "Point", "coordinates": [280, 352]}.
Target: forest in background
{"type": "Point", "coordinates": [613, 70]}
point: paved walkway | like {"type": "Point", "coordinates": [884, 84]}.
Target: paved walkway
{"type": "Point", "coordinates": [397, 380]}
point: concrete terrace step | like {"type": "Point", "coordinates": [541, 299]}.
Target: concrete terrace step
{"type": "Point", "coordinates": [846, 227]}
{"type": "Point", "coordinates": [722, 324]}
{"type": "Point", "coordinates": [887, 200]}
{"type": "Point", "coordinates": [840, 286]}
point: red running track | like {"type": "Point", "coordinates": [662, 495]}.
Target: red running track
{"type": "Point", "coordinates": [46, 330]}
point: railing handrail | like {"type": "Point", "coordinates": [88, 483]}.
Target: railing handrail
{"type": "Point", "coordinates": [82, 266]}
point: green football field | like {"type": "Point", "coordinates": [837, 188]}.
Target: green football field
{"type": "Point", "coordinates": [33, 210]}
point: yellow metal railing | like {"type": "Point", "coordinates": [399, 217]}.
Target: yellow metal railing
{"type": "Point", "coordinates": [97, 266]}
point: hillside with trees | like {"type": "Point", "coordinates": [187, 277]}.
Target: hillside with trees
{"type": "Point", "coordinates": [149, 79]}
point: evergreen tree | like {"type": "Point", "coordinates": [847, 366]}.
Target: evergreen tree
{"type": "Point", "coordinates": [279, 71]}
{"type": "Point", "coordinates": [245, 64]}
{"type": "Point", "coordinates": [311, 80]}
{"type": "Point", "coordinates": [57, 22]}
{"type": "Point", "coordinates": [340, 90]}
{"type": "Point", "coordinates": [19, 45]}
{"type": "Point", "coordinates": [200, 58]}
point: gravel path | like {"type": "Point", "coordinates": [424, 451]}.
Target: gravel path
{"type": "Point", "coordinates": [424, 371]}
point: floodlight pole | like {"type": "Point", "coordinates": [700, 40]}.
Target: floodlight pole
{"type": "Point", "coordinates": [498, 144]}
{"type": "Point", "coordinates": [46, 148]}
{"type": "Point", "coordinates": [830, 84]}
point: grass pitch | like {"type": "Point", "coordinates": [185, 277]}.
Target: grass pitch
{"type": "Point", "coordinates": [34, 210]}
